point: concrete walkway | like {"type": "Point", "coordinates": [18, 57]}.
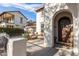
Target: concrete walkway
{"type": "Point", "coordinates": [36, 48]}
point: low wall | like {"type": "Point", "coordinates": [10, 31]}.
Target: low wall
{"type": "Point", "coordinates": [16, 47]}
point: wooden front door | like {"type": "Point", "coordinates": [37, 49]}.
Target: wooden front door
{"type": "Point", "coordinates": [62, 24]}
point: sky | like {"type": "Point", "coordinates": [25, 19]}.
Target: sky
{"type": "Point", "coordinates": [27, 9]}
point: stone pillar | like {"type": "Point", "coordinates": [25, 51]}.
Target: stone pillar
{"type": "Point", "coordinates": [49, 34]}
{"type": "Point", "coordinates": [48, 26]}
{"type": "Point", "coordinates": [16, 47]}
{"type": "Point", "coordinates": [75, 49]}
{"type": "Point", "coordinates": [76, 32]}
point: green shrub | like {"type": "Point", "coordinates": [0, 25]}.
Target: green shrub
{"type": "Point", "coordinates": [26, 35]}
{"type": "Point", "coordinates": [12, 31]}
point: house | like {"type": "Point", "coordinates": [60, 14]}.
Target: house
{"type": "Point", "coordinates": [31, 27]}
{"type": "Point", "coordinates": [31, 30]}
{"type": "Point", "coordinates": [12, 19]}
{"type": "Point", "coordinates": [58, 16]}
{"type": "Point", "coordinates": [40, 20]}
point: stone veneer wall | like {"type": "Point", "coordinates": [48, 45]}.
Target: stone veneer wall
{"type": "Point", "coordinates": [49, 11]}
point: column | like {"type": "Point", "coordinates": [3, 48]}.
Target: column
{"type": "Point", "coordinates": [38, 23]}
{"type": "Point", "coordinates": [48, 27]}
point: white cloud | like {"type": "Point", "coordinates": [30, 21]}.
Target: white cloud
{"type": "Point", "coordinates": [24, 7]}
{"type": "Point", "coordinates": [23, 1]}
{"type": "Point", "coordinates": [30, 7]}
{"type": "Point", "coordinates": [5, 4]}
{"type": "Point", "coordinates": [33, 5]}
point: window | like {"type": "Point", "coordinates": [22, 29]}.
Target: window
{"type": "Point", "coordinates": [21, 20]}
{"type": "Point", "coordinates": [42, 27]}
{"type": "Point", "coordinates": [42, 15]}
{"type": "Point", "coordinates": [9, 26]}
{"type": "Point", "coordinates": [6, 20]}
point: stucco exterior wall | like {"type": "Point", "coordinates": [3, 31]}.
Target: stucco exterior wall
{"type": "Point", "coordinates": [39, 20]}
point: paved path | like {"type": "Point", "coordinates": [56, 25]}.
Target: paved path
{"type": "Point", "coordinates": [36, 48]}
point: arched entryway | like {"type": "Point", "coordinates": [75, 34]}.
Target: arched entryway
{"type": "Point", "coordinates": [62, 23]}
{"type": "Point", "coordinates": [62, 19]}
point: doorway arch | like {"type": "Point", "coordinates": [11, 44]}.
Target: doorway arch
{"type": "Point", "coordinates": [62, 23]}
{"type": "Point", "coordinates": [61, 18]}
